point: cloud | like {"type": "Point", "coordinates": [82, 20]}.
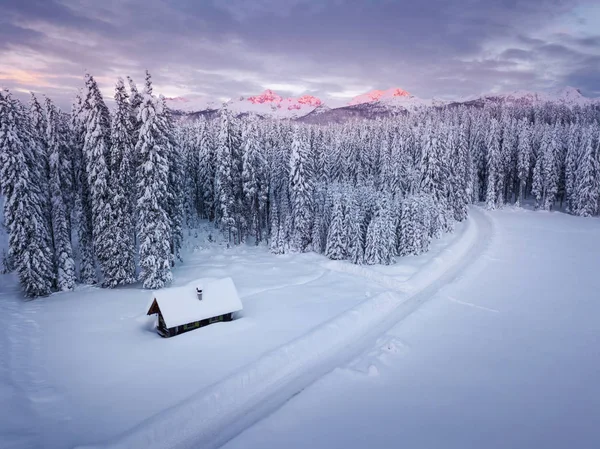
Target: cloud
{"type": "Point", "coordinates": [329, 48]}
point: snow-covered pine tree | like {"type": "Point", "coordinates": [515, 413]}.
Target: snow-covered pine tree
{"type": "Point", "coordinates": [24, 206]}
{"type": "Point", "coordinates": [154, 231]}
{"type": "Point", "coordinates": [40, 165]}
{"type": "Point", "coordinates": [523, 157]}
{"type": "Point", "coordinates": [588, 175]}
{"type": "Point", "coordinates": [495, 188]}
{"type": "Point", "coordinates": [300, 192]}
{"type": "Point", "coordinates": [63, 252]}
{"type": "Point", "coordinates": [175, 209]}
{"type": "Point", "coordinates": [549, 167]}
{"type": "Point", "coordinates": [319, 227]}
{"type": "Point", "coordinates": [275, 243]}
{"type": "Point", "coordinates": [135, 102]}
{"type": "Point", "coordinates": [191, 200]}
{"type": "Point", "coordinates": [253, 181]}
{"type": "Point", "coordinates": [337, 234]}
{"type": "Point", "coordinates": [572, 164]}
{"type": "Point", "coordinates": [83, 207]}
{"type": "Point", "coordinates": [409, 232]}
{"type": "Point", "coordinates": [354, 226]}
{"type": "Point", "coordinates": [120, 266]}
{"type": "Point", "coordinates": [435, 175]}
{"type": "Point", "coordinates": [459, 174]}
{"type": "Point", "coordinates": [206, 170]}
{"type": "Point", "coordinates": [381, 235]}
{"type": "Point", "coordinates": [96, 151]}
{"type": "Point", "coordinates": [225, 177]}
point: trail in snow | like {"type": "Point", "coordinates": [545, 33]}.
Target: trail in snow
{"type": "Point", "coordinates": [219, 413]}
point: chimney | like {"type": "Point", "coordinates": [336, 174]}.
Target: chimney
{"type": "Point", "coordinates": [199, 293]}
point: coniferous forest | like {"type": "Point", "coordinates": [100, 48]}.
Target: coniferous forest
{"type": "Point", "coordinates": [118, 187]}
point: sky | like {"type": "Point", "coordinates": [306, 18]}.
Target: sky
{"type": "Point", "coordinates": [333, 49]}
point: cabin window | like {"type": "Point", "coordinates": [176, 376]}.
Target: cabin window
{"type": "Point", "coordinates": [216, 319]}
{"type": "Point", "coordinates": [187, 327]}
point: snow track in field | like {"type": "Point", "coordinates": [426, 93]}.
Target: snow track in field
{"type": "Point", "coordinates": [218, 413]}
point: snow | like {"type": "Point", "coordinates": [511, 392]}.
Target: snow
{"type": "Point", "coordinates": [180, 305]}
{"type": "Point", "coordinates": [487, 341]}
{"type": "Point", "coordinates": [504, 356]}
{"type": "Point", "coordinates": [272, 105]}
{"type": "Point", "coordinates": [267, 103]}
{"type": "Point", "coordinates": [568, 96]}
{"type": "Point", "coordinates": [192, 103]}
{"type": "Point", "coordinates": [87, 366]}
{"type": "Point", "coordinates": [208, 418]}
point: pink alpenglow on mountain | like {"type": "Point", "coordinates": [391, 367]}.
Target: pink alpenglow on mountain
{"type": "Point", "coordinates": [310, 101]}
{"type": "Point", "coordinates": [268, 96]}
{"type": "Point", "coordinates": [376, 95]}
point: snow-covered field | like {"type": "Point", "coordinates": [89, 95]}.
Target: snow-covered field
{"type": "Point", "coordinates": [87, 367]}
{"type": "Point", "coordinates": [489, 340]}
{"type": "Point", "coordinates": [505, 357]}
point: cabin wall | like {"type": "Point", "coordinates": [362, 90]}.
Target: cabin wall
{"type": "Point", "coordinates": [197, 324]}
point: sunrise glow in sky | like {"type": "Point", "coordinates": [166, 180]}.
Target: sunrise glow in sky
{"type": "Point", "coordinates": [332, 49]}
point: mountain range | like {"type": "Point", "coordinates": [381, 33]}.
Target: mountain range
{"type": "Point", "coordinates": [371, 105]}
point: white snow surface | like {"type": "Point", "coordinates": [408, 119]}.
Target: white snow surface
{"type": "Point", "coordinates": [87, 366]}
{"type": "Point", "coordinates": [505, 356]}
{"type": "Point", "coordinates": [180, 305]}
{"type": "Point", "coordinates": [490, 340]}
{"type": "Point", "coordinates": [209, 418]}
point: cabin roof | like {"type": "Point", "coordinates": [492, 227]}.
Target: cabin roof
{"type": "Point", "coordinates": [180, 305]}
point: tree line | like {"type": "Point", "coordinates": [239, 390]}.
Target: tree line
{"type": "Point", "coordinates": [120, 186]}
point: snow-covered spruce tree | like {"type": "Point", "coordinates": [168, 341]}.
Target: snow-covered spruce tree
{"type": "Point", "coordinates": [96, 152]}
{"type": "Point", "coordinates": [495, 187]}
{"type": "Point", "coordinates": [381, 235]}
{"type": "Point", "coordinates": [40, 165]}
{"type": "Point", "coordinates": [254, 181]}
{"type": "Point", "coordinates": [435, 176]}
{"type": "Point", "coordinates": [572, 165]}
{"type": "Point", "coordinates": [523, 158]}
{"type": "Point", "coordinates": [191, 202]}
{"type": "Point", "coordinates": [300, 192]}
{"type": "Point", "coordinates": [24, 214]}
{"type": "Point", "coordinates": [154, 231]}
{"type": "Point", "coordinates": [354, 226]}
{"type": "Point", "coordinates": [410, 232]}
{"type": "Point", "coordinates": [588, 176]}
{"type": "Point", "coordinates": [537, 184]}
{"type": "Point", "coordinates": [175, 209]}
{"type": "Point", "coordinates": [550, 166]}
{"type": "Point", "coordinates": [337, 234]}
{"type": "Point", "coordinates": [83, 206]}
{"type": "Point", "coordinates": [206, 170]}
{"type": "Point", "coordinates": [120, 266]}
{"type": "Point", "coordinates": [545, 173]}
{"type": "Point", "coordinates": [63, 252]}
{"type": "Point", "coordinates": [459, 174]}
{"type": "Point", "coordinates": [226, 178]}
{"type": "Point", "coordinates": [135, 102]}
{"type": "Point", "coordinates": [508, 157]}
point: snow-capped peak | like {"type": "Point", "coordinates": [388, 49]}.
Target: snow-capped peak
{"type": "Point", "coordinates": [377, 95]}
{"type": "Point", "coordinates": [569, 96]}
{"type": "Point", "coordinates": [272, 104]}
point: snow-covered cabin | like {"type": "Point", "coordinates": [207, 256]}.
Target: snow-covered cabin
{"type": "Point", "coordinates": [182, 309]}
